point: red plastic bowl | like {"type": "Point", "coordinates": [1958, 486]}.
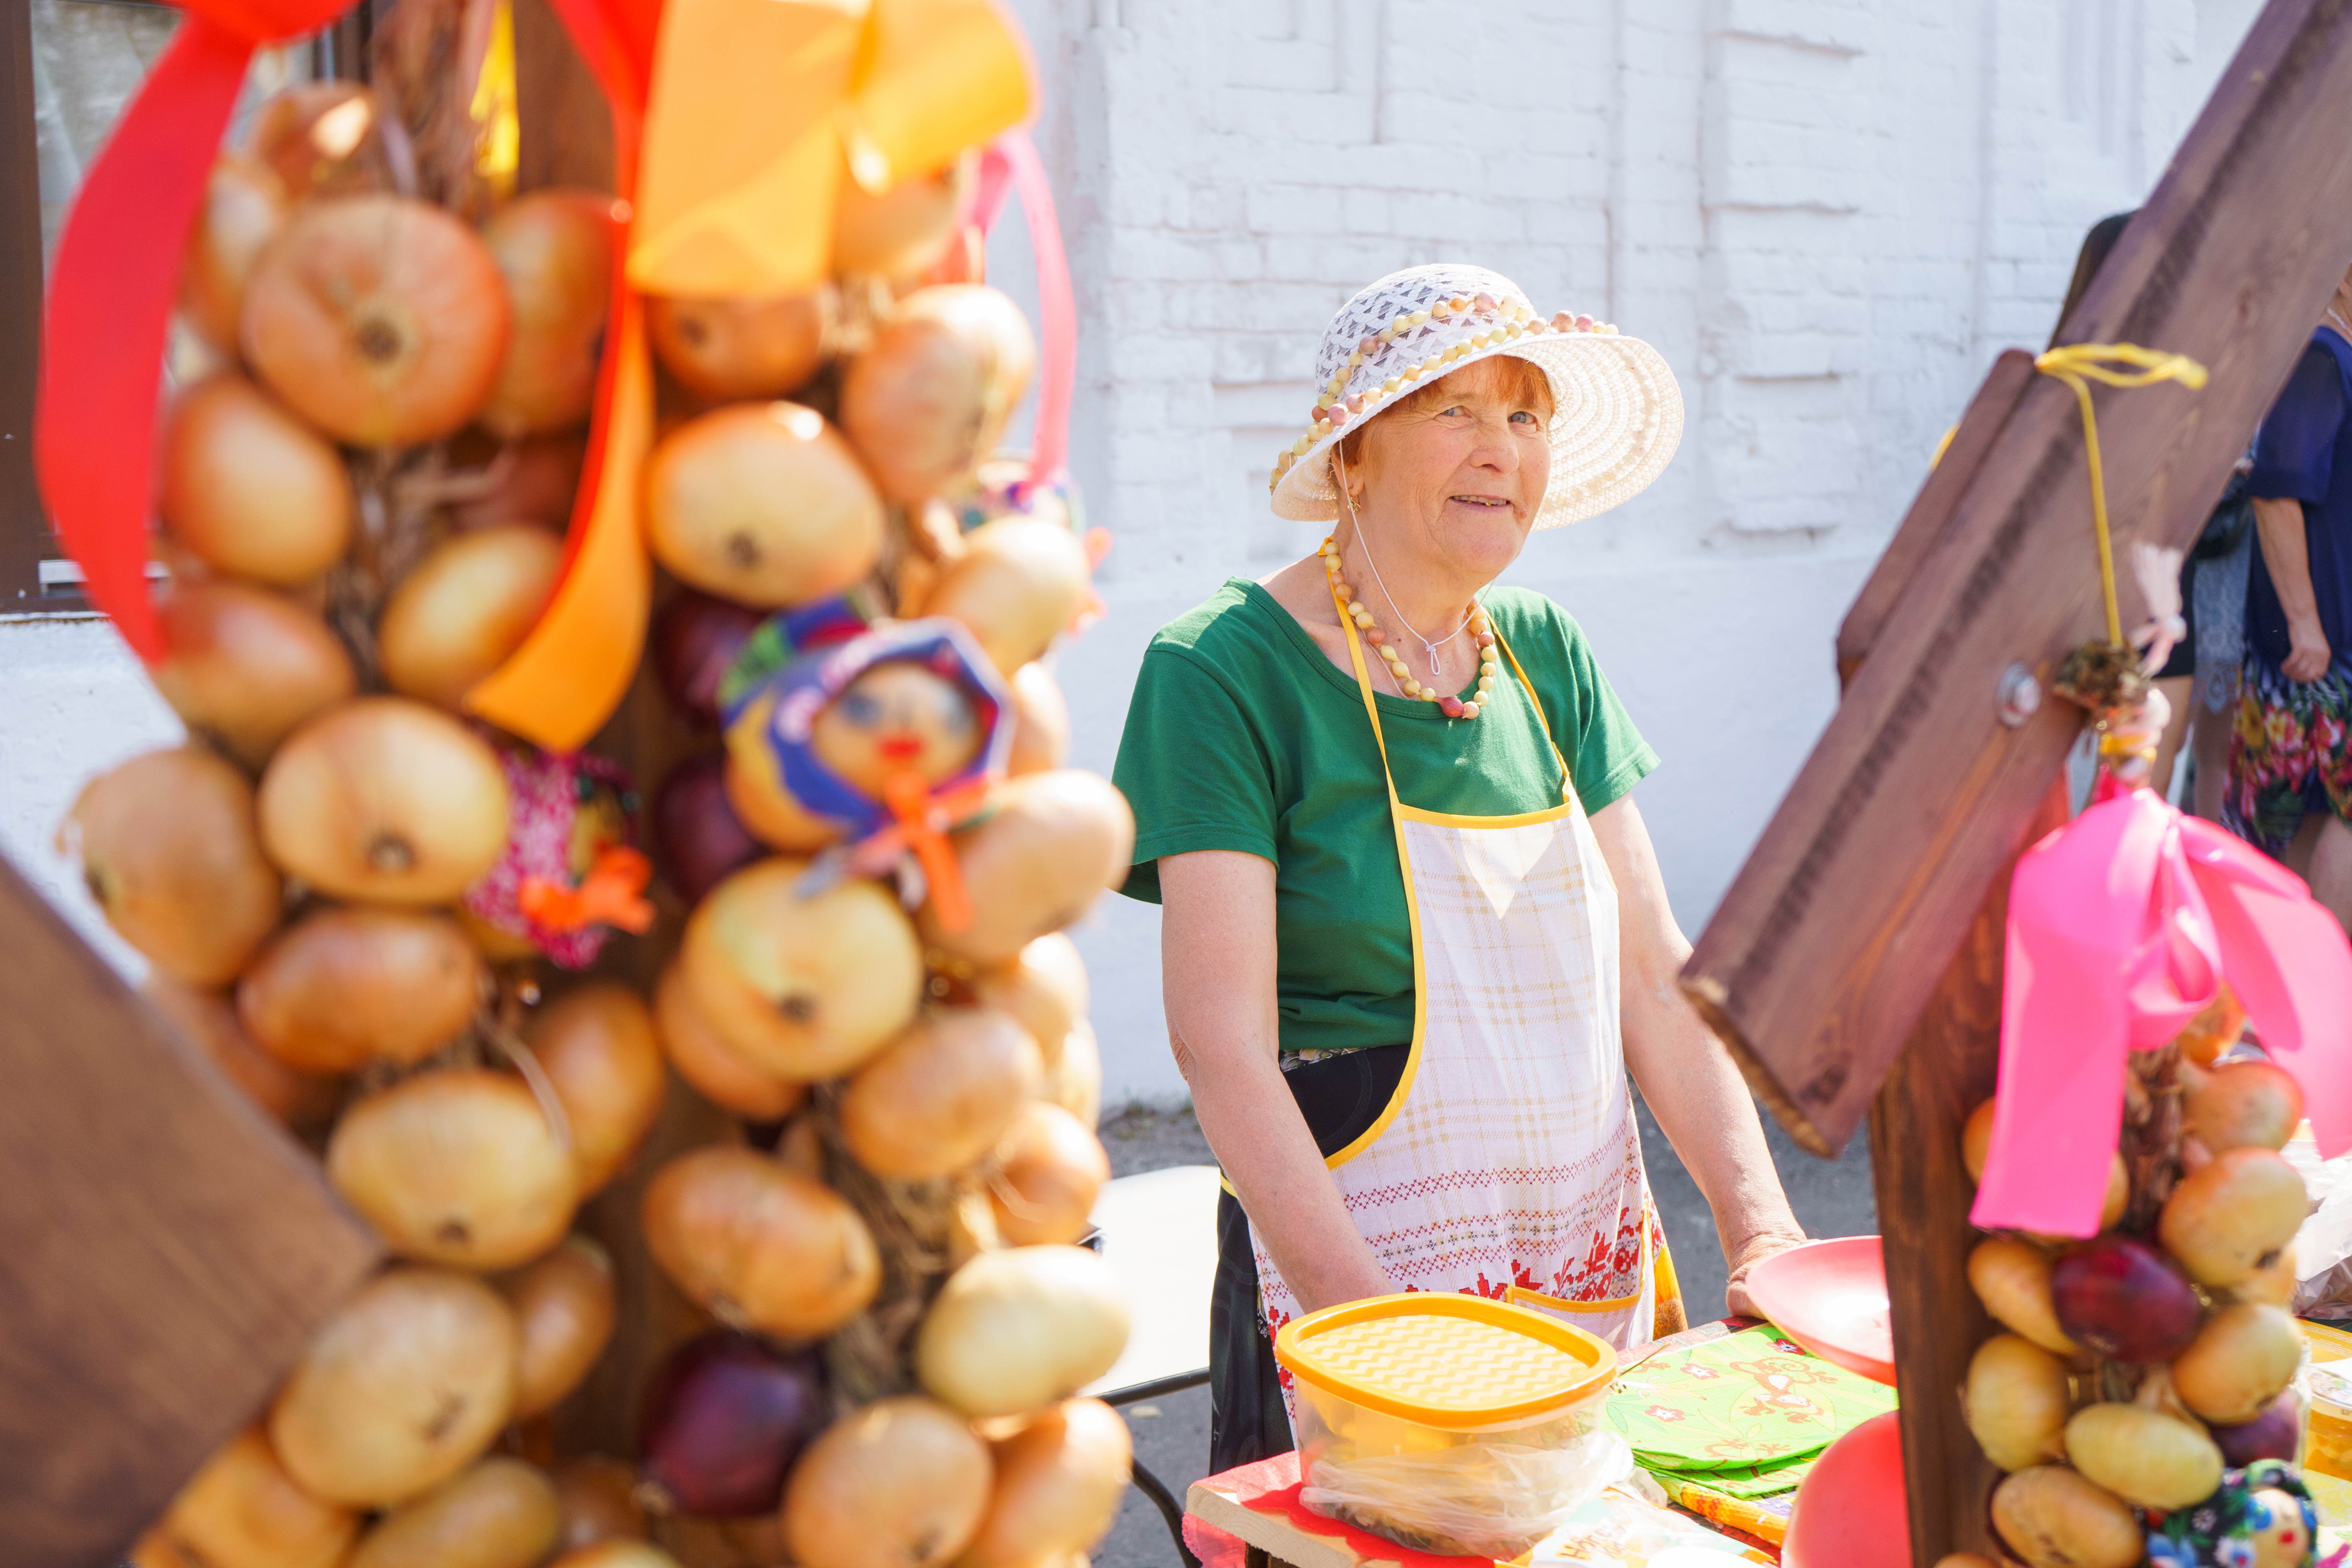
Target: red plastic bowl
{"type": "Point", "coordinates": [1851, 1511]}
{"type": "Point", "coordinates": [1831, 1298]}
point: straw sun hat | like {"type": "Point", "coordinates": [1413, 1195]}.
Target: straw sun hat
{"type": "Point", "coordinates": [1617, 412]}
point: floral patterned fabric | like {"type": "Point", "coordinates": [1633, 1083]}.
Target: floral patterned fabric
{"type": "Point", "coordinates": [1744, 1416]}
{"type": "Point", "coordinates": [2267, 1498]}
{"type": "Point", "coordinates": [2289, 754]}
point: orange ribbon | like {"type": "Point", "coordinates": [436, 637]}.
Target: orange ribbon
{"type": "Point", "coordinates": [923, 821]}
{"type": "Point", "coordinates": [612, 894]}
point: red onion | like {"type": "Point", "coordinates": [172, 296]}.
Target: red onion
{"type": "Point", "coordinates": [696, 637]}
{"type": "Point", "coordinates": [724, 1420]}
{"type": "Point", "coordinates": [695, 833]}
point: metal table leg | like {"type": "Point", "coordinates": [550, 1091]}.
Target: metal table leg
{"type": "Point", "coordinates": [1170, 1510]}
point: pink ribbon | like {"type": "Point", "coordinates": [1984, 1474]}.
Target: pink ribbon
{"type": "Point", "coordinates": [1012, 162]}
{"type": "Point", "coordinates": [2123, 926]}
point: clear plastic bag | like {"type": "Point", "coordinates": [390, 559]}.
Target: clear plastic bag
{"type": "Point", "coordinates": [1486, 1498]}
{"type": "Point", "coordinates": [2323, 1248]}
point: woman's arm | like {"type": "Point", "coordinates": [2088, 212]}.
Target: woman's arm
{"type": "Point", "coordinates": [2278, 524]}
{"type": "Point", "coordinates": [1696, 1093]}
{"type": "Point", "coordinates": [1217, 964]}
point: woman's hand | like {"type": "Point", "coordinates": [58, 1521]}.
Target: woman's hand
{"type": "Point", "coordinates": [1737, 1301]}
{"type": "Point", "coordinates": [2308, 655]}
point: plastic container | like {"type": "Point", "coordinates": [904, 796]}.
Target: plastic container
{"type": "Point", "coordinates": [2327, 1439]}
{"type": "Point", "coordinates": [1450, 1424]}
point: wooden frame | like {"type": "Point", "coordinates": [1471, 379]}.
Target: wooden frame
{"type": "Point", "coordinates": [24, 538]}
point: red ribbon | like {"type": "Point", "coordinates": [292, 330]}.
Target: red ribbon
{"type": "Point", "coordinates": [110, 308]}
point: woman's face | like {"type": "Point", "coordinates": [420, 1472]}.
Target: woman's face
{"type": "Point", "coordinates": [1462, 466]}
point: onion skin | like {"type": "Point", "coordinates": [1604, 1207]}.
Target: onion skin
{"type": "Point", "coordinates": [1054, 842]}
{"type": "Point", "coordinates": [502, 1513]}
{"type": "Point", "coordinates": [725, 350]}
{"type": "Point", "coordinates": [724, 1419]}
{"type": "Point", "coordinates": [342, 987]}
{"type": "Point", "coordinates": [300, 1101]}
{"type": "Point", "coordinates": [2228, 1220]}
{"type": "Point", "coordinates": [1976, 1138]}
{"type": "Point", "coordinates": [941, 1096]}
{"type": "Point", "coordinates": [169, 852]}
{"type": "Point", "coordinates": [598, 1494]}
{"type": "Point", "coordinates": [381, 319]}
{"type": "Point", "coordinates": [1041, 722]}
{"type": "Point", "coordinates": [2142, 1457]}
{"type": "Point", "coordinates": [2216, 1030]}
{"type": "Point", "coordinates": [2012, 1280]}
{"type": "Point", "coordinates": [616, 1554]}
{"type": "Point", "coordinates": [554, 250]}
{"type": "Point", "coordinates": [2241, 1360]}
{"type": "Point", "coordinates": [1018, 582]}
{"type": "Point", "coordinates": [598, 1048]}
{"type": "Point", "coordinates": [458, 1166]}
{"type": "Point", "coordinates": [465, 608]}
{"type": "Point", "coordinates": [695, 639]}
{"type": "Point", "coordinates": [2242, 1105]}
{"type": "Point", "coordinates": [1051, 1168]}
{"type": "Point", "coordinates": [1016, 1330]}
{"type": "Point", "coordinates": [904, 231]}
{"type": "Point", "coordinates": [322, 139]}
{"type": "Point", "coordinates": [764, 504]}
{"type": "Point", "coordinates": [406, 1386]}
{"type": "Point", "coordinates": [715, 1070]}
{"type": "Point", "coordinates": [2271, 1287]}
{"type": "Point", "coordinates": [245, 205]}
{"type": "Point", "coordinates": [2274, 1433]}
{"type": "Point", "coordinates": [1074, 1080]}
{"type": "Point", "coordinates": [243, 1508]}
{"type": "Point", "coordinates": [2052, 1518]}
{"type": "Point", "coordinates": [387, 801]}
{"type": "Point", "coordinates": [246, 668]}
{"type": "Point", "coordinates": [564, 1309]}
{"type": "Point", "coordinates": [804, 988]}
{"type": "Point", "coordinates": [761, 1246]}
{"type": "Point", "coordinates": [251, 489]}
{"type": "Point", "coordinates": [899, 1483]}
{"type": "Point", "coordinates": [698, 841]}
{"type": "Point", "coordinates": [1059, 1480]}
{"type": "Point", "coordinates": [1044, 987]}
{"type": "Point", "coordinates": [535, 480]}
{"type": "Point", "coordinates": [2124, 1299]}
{"type": "Point", "coordinates": [931, 399]}
{"type": "Point", "coordinates": [2016, 1401]}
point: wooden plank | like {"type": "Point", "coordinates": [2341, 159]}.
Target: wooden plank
{"type": "Point", "coordinates": [1818, 961]}
{"type": "Point", "coordinates": [1986, 415]}
{"type": "Point", "coordinates": [23, 534]}
{"type": "Point", "coordinates": [166, 1252]}
{"type": "Point", "coordinates": [1946, 1071]}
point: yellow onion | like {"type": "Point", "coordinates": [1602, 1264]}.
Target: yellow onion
{"type": "Point", "coordinates": [715, 1070]}
{"type": "Point", "coordinates": [251, 489]}
{"type": "Point", "coordinates": [617, 1554]}
{"type": "Point", "coordinates": [726, 351]}
{"type": "Point", "coordinates": [2241, 1105]}
{"type": "Point", "coordinates": [381, 319]}
{"type": "Point", "coordinates": [899, 1483]}
{"type": "Point", "coordinates": [554, 250]}
{"type": "Point", "coordinates": [2012, 1280]}
{"type": "Point", "coordinates": [1074, 1080]}
{"type": "Point", "coordinates": [1976, 1138]}
{"type": "Point", "coordinates": [1041, 721]}
{"type": "Point", "coordinates": [2228, 1220]}
{"type": "Point", "coordinates": [564, 1309]}
{"type": "Point", "coordinates": [762, 503]}
{"type": "Point", "coordinates": [1044, 987]}
{"type": "Point", "coordinates": [2016, 1402]}
{"type": "Point", "coordinates": [2052, 1518]}
{"type": "Point", "coordinates": [599, 1499]}
{"type": "Point", "coordinates": [1965, 1559]}
{"type": "Point", "coordinates": [761, 1246]}
{"type": "Point", "coordinates": [1059, 1479]}
{"type": "Point", "coordinates": [1017, 583]}
{"type": "Point", "coordinates": [322, 138]}
{"type": "Point", "coordinates": [465, 608]}
{"type": "Point", "coordinates": [941, 1095]}
{"type": "Point", "coordinates": [598, 1051]}
{"type": "Point", "coordinates": [502, 1513]}
{"type": "Point", "coordinates": [244, 204]}
{"type": "Point", "coordinates": [2143, 1456]}
{"type": "Point", "coordinates": [168, 850]}
{"type": "Point", "coordinates": [457, 1167]}
{"type": "Point", "coordinates": [932, 398]}
{"type": "Point", "coordinates": [901, 232]}
{"type": "Point", "coordinates": [2273, 1286]}
{"type": "Point", "coordinates": [2238, 1364]}
{"type": "Point", "coordinates": [244, 667]}
{"type": "Point", "coordinates": [157, 1549]}
{"type": "Point", "coordinates": [803, 987]}
{"type": "Point", "coordinates": [2213, 1030]}
{"type": "Point", "coordinates": [342, 987]}
{"type": "Point", "coordinates": [243, 1509]}
{"type": "Point", "coordinates": [386, 800]}
{"type": "Point", "coordinates": [1051, 845]}
{"type": "Point", "coordinates": [1016, 1330]}
{"type": "Point", "coordinates": [406, 1386]}
{"type": "Point", "coordinates": [755, 788]}
{"type": "Point", "coordinates": [1050, 1169]}
{"type": "Point", "coordinates": [298, 1099]}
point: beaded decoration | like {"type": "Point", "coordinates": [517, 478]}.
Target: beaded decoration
{"type": "Point", "coordinates": [1351, 606]}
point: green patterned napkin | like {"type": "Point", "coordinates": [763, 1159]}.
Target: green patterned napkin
{"type": "Point", "coordinates": [1745, 1415]}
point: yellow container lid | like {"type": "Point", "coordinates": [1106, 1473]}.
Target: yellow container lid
{"type": "Point", "coordinates": [1445, 1360]}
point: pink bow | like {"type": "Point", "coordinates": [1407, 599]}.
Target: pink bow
{"type": "Point", "coordinates": [2123, 925]}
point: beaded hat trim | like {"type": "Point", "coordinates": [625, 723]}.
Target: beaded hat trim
{"type": "Point", "coordinates": [1617, 410]}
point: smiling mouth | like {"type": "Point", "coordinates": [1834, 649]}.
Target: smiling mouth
{"type": "Point", "coordinates": [1492, 502]}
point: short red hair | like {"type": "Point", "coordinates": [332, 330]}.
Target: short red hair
{"type": "Point", "coordinates": [1524, 382]}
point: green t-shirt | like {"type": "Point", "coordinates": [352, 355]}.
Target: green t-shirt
{"type": "Point", "coordinates": [1242, 735]}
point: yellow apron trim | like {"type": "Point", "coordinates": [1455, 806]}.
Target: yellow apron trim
{"type": "Point", "coordinates": [1443, 819]}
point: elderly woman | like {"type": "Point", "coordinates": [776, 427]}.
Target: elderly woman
{"type": "Point", "coordinates": [1414, 932]}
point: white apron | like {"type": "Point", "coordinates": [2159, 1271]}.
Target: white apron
{"type": "Point", "coordinates": [1508, 1164]}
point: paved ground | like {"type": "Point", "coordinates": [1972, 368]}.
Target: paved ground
{"type": "Point", "coordinates": [1171, 1435]}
